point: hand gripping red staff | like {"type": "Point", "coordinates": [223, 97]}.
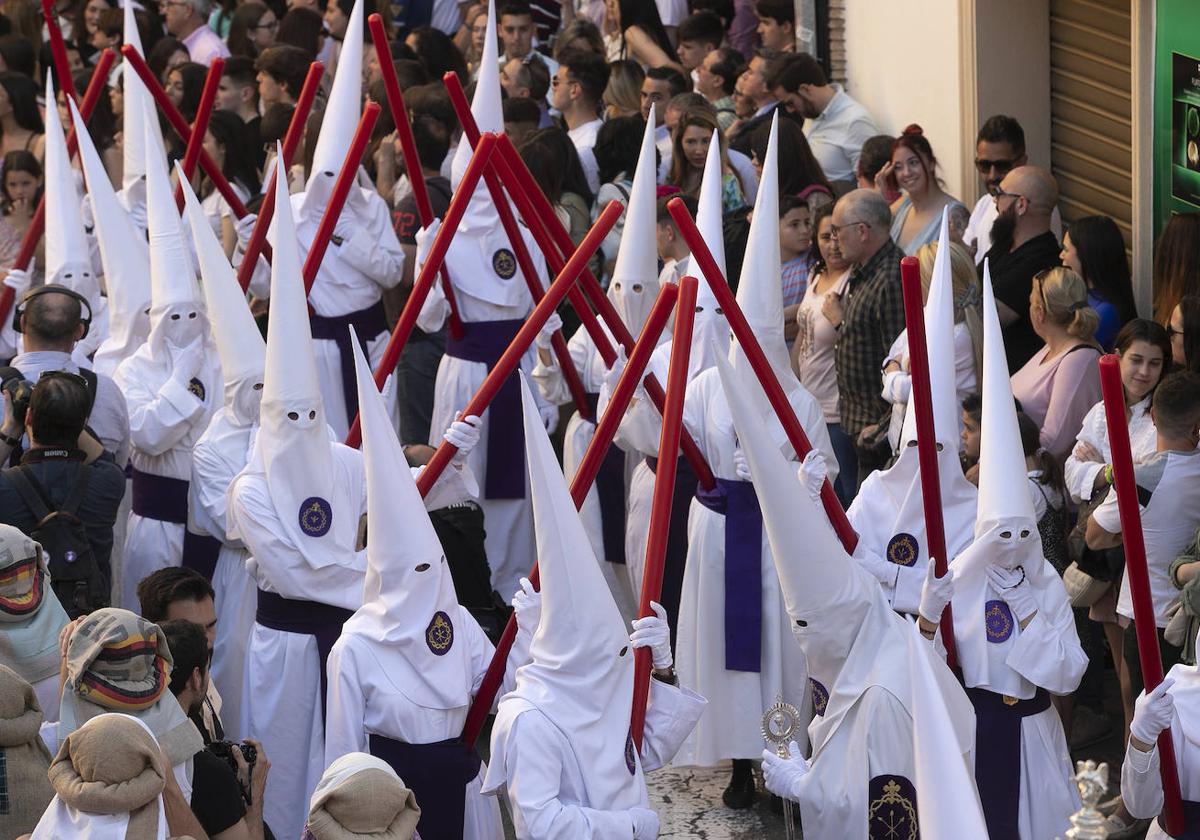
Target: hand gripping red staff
{"type": "Point", "coordinates": [134, 60]}
{"type": "Point", "coordinates": [664, 491]}
{"type": "Point", "coordinates": [412, 161]}
{"type": "Point", "coordinates": [758, 361]}
{"type": "Point", "coordinates": [291, 141]}
{"type": "Point", "coordinates": [200, 125]}
{"type": "Point", "coordinates": [528, 271]}
{"type": "Point", "coordinates": [37, 224]}
{"type": "Point", "coordinates": [589, 467]}
{"type": "Point", "coordinates": [921, 402]}
{"type": "Point", "coordinates": [1139, 580]}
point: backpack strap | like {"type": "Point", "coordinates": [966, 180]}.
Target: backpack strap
{"type": "Point", "coordinates": [30, 490]}
{"type": "Point", "coordinates": [78, 490]}
{"type": "Point", "coordinates": [89, 376]}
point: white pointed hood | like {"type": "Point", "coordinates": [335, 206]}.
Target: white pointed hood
{"type": "Point", "coordinates": [485, 106]}
{"type": "Point", "coordinates": [581, 673]}
{"type": "Point", "coordinates": [240, 345]}
{"type": "Point", "coordinates": [888, 513]}
{"type": "Point", "coordinates": [124, 256]}
{"type": "Point", "coordinates": [634, 285]}
{"type": "Point", "coordinates": [409, 604]}
{"type": "Point", "coordinates": [68, 259]}
{"type": "Point", "coordinates": [340, 122]}
{"type": "Point", "coordinates": [133, 128]}
{"type": "Point", "coordinates": [710, 330]}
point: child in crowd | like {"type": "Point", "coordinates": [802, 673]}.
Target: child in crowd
{"type": "Point", "coordinates": [795, 244]}
{"type": "Point", "coordinates": [22, 186]}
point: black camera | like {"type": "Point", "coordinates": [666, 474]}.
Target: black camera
{"type": "Point", "coordinates": [224, 750]}
{"type": "Point", "coordinates": [19, 392]}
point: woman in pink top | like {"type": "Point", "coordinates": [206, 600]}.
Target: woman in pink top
{"type": "Point", "coordinates": [1061, 382]}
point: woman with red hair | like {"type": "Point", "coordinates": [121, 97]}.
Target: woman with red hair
{"type": "Point", "coordinates": [917, 214]}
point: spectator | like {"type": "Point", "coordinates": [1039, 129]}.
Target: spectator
{"type": "Point", "coordinates": [622, 96]}
{"type": "Point", "coordinates": [1049, 497]}
{"type": "Point", "coordinates": [184, 86]}
{"type": "Point", "coordinates": [469, 39]}
{"type": "Point", "coordinates": [22, 187]}
{"type": "Point", "coordinates": [238, 92]}
{"type": "Point", "coordinates": [166, 53]}
{"type": "Point", "coordinates": [1176, 259]}
{"type": "Point", "coordinates": [837, 126]}
{"type": "Point", "coordinates": [999, 149]}
{"type": "Point", "coordinates": [696, 130]}
{"type": "Point", "coordinates": [814, 349]}
{"type": "Point", "coordinates": [1184, 329]}
{"type": "Point", "coordinates": [217, 789]}
{"type": "Point", "coordinates": [23, 755]}
{"type": "Point", "coordinates": [868, 316]}
{"type": "Point", "coordinates": [522, 117]}
{"type": "Point", "coordinates": [912, 168]}
{"type": "Point", "coordinates": [17, 54]}
{"type": "Point", "coordinates": [281, 71]}
{"type": "Point", "coordinates": [799, 173]}
{"type": "Point", "coordinates": [437, 52]}
{"type": "Point", "coordinates": [551, 156]}
{"type": "Point", "coordinates": [617, 148]}
{"type": "Point", "coordinates": [698, 35]}
{"type": "Point", "coordinates": [633, 29]}
{"type": "Point", "coordinates": [1061, 382]}
{"type": "Point", "coordinates": [515, 29]}
{"type": "Point", "coordinates": [1022, 246]}
{"type": "Point", "coordinates": [527, 80]}
{"type": "Point", "coordinates": [578, 86]}
{"type": "Point", "coordinates": [580, 34]}
{"type": "Point", "coordinates": [876, 154]}
{"type": "Point", "coordinates": [304, 28]}
{"type": "Point", "coordinates": [776, 24]}
{"type": "Point", "coordinates": [716, 77]}
{"type": "Point", "coordinates": [187, 20]}
{"type": "Point", "coordinates": [672, 249]}
{"type": "Point", "coordinates": [21, 127]}
{"type": "Point", "coordinates": [795, 251]}
{"type": "Point", "coordinates": [754, 87]}
{"type": "Point", "coordinates": [360, 795]}
{"type": "Point", "coordinates": [252, 29]}
{"type": "Point", "coordinates": [660, 86]}
{"type": "Point", "coordinates": [1093, 248]}
{"type": "Point", "coordinates": [228, 144]}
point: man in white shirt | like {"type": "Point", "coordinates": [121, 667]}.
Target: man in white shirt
{"type": "Point", "coordinates": [837, 125]}
{"type": "Point", "coordinates": [999, 149]}
{"type": "Point", "coordinates": [187, 20]}
{"type": "Point", "coordinates": [575, 90]}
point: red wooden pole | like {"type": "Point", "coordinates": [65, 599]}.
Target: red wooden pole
{"type": "Point", "coordinates": [291, 141]}
{"type": "Point", "coordinates": [921, 402]}
{"type": "Point", "coordinates": [346, 179]}
{"type": "Point", "coordinates": [429, 272]}
{"type": "Point", "coordinates": [589, 467]}
{"type": "Point", "coordinates": [58, 50]}
{"type": "Point", "coordinates": [408, 145]}
{"type": "Point", "coordinates": [208, 96]}
{"type": "Point", "coordinates": [758, 361]}
{"type": "Point", "coordinates": [134, 59]}
{"type": "Point", "coordinates": [524, 338]}
{"type": "Point", "coordinates": [1139, 580]}
{"type": "Point", "coordinates": [37, 225]}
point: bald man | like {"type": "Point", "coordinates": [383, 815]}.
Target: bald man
{"type": "Point", "coordinates": [1022, 246]}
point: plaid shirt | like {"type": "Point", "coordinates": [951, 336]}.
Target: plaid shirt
{"type": "Point", "coordinates": [874, 316]}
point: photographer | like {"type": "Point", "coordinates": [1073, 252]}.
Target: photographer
{"type": "Point", "coordinates": [228, 779]}
{"type": "Point", "coordinates": [63, 503]}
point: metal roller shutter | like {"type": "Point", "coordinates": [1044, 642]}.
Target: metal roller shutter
{"type": "Point", "coordinates": [1090, 112]}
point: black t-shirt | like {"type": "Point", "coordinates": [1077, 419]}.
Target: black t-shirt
{"type": "Point", "coordinates": [1012, 281]}
{"type": "Point", "coordinates": [216, 794]}
{"type": "Point", "coordinates": [405, 217]}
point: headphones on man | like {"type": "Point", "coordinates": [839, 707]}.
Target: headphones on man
{"type": "Point", "coordinates": [85, 308]}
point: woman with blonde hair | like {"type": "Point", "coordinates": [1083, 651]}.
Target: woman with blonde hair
{"type": "Point", "coordinates": [1060, 384]}
{"type": "Point", "coordinates": [623, 96]}
{"type": "Point", "coordinates": [692, 136]}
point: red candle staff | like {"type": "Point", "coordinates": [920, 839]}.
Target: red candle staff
{"type": "Point", "coordinates": [58, 51]}
{"type": "Point", "coordinates": [429, 272]}
{"type": "Point", "coordinates": [664, 492]}
{"type": "Point", "coordinates": [346, 179]}
{"type": "Point", "coordinates": [589, 467]}
{"type": "Point", "coordinates": [412, 160]}
{"type": "Point", "coordinates": [291, 141]}
{"type": "Point", "coordinates": [200, 125]}
{"type": "Point", "coordinates": [922, 403]}
{"type": "Point", "coordinates": [33, 233]}
{"type": "Point", "coordinates": [1139, 581]}
{"type": "Point", "coordinates": [134, 60]}
{"type": "Point", "coordinates": [758, 361]}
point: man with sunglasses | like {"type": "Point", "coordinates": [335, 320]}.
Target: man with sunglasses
{"type": "Point", "coordinates": [999, 149]}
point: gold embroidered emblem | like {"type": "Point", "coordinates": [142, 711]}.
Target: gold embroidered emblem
{"type": "Point", "coordinates": [439, 635]}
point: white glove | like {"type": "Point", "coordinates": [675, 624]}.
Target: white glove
{"type": "Point", "coordinates": [527, 603]}
{"type": "Point", "coordinates": [618, 367]}
{"type": "Point", "coordinates": [882, 570]}
{"type": "Point", "coordinates": [935, 594]}
{"type": "Point", "coordinates": [812, 473]}
{"type": "Point", "coordinates": [897, 385]}
{"type": "Point", "coordinates": [741, 466]}
{"type": "Point", "coordinates": [1152, 713]}
{"type": "Point", "coordinates": [549, 417]}
{"type": "Point", "coordinates": [645, 823]}
{"type": "Point", "coordinates": [783, 775]}
{"type": "Point", "coordinates": [1015, 590]}
{"type": "Point", "coordinates": [188, 363]}
{"type": "Point", "coordinates": [463, 433]}
{"type": "Point", "coordinates": [546, 334]}
{"type": "Point", "coordinates": [425, 237]}
{"type": "Point", "coordinates": [244, 227]}
{"type": "Point", "coordinates": [18, 280]}
{"type": "Point", "coordinates": [653, 632]}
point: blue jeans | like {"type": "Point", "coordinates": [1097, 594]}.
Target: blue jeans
{"type": "Point", "coordinates": [846, 485]}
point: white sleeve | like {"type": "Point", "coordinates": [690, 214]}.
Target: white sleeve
{"type": "Point", "coordinates": [671, 715]}
{"type": "Point", "coordinates": [208, 493]}
{"type": "Point", "coordinates": [1080, 476]}
{"type": "Point", "coordinates": [374, 249]}
{"type": "Point", "coordinates": [435, 309]}
{"type": "Point", "coordinates": [1141, 784]}
{"type": "Point", "coordinates": [906, 595]}
{"type": "Point", "coordinates": [551, 383]}
{"type": "Point", "coordinates": [1047, 652]}
{"type": "Point", "coordinates": [345, 715]}
{"type": "Point", "coordinates": [641, 426]}
{"type": "Point", "coordinates": [158, 421]}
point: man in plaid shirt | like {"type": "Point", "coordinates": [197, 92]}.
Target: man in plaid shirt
{"type": "Point", "coordinates": [868, 316]}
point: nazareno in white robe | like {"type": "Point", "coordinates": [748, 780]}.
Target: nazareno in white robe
{"type": "Point", "coordinates": [731, 726]}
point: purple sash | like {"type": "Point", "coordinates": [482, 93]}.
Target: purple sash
{"type": "Point", "coordinates": [610, 490]}
{"type": "Point", "coordinates": [677, 540]}
{"type": "Point", "coordinates": [1191, 821]}
{"type": "Point", "coordinates": [200, 552]}
{"type": "Point", "coordinates": [485, 342]}
{"type": "Point", "coordinates": [321, 621]}
{"type": "Point", "coordinates": [438, 774]}
{"type": "Point", "coordinates": [738, 503]}
{"type": "Point", "coordinates": [998, 756]}
{"type": "Point", "coordinates": [159, 497]}
{"type": "Point", "coordinates": [367, 323]}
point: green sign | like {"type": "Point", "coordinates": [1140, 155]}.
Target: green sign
{"type": "Point", "coordinates": [1176, 109]}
